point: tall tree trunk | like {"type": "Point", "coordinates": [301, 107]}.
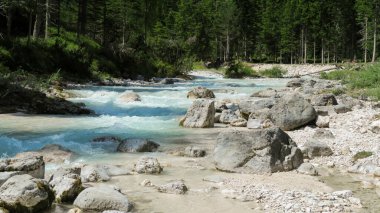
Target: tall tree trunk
{"type": "Point", "coordinates": [314, 53]}
{"type": "Point", "coordinates": [322, 53]}
{"type": "Point", "coordinates": [374, 41]}
{"type": "Point", "coordinates": [302, 44]}
{"type": "Point", "coordinates": [365, 40]}
{"type": "Point", "coordinates": [228, 45]}
{"type": "Point", "coordinates": [30, 24]}
{"type": "Point", "coordinates": [305, 52]}
{"type": "Point", "coordinates": [47, 19]}
{"type": "Point", "coordinates": [59, 16]}
{"type": "Point", "coordinates": [37, 22]}
{"type": "Point", "coordinates": [9, 21]}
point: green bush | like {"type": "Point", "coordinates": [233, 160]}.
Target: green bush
{"type": "Point", "coordinates": [275, 72]}
{"type": "Point", "coordinates": [239, 70]}
{"type": "Point", "coordinates": [362, 155]}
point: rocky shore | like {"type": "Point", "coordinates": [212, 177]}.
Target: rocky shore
{"type": "Point", "coordinates": [264, 153]}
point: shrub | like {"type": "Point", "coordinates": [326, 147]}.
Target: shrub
{"type": "Point", "coordinates": [274, 72]}
{"type": "Point", "coordinates": [239, 70]}
{"type": "Point", "coordinates": [362, 155]}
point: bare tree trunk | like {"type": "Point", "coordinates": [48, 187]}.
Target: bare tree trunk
{"type": "Point", "coordinates": [37, 22]}
{"type": "Point", "coordinates": [323, 53]}
{"type": "Point", "coordinates": [30, 24]}
{"type": "Point", "coordinates": [9, 22]}
{"type": "Point", "coordinates": [47, 19]}
{"type": "Point", "coordinates": [59, 16]}
{"type": "Point", "coordinates": [228, 45]}
{"type": "Point", "coordinates": [291, 57]}
{"type": "Point", "coordinates": [374, 41]}
{"type": "Point", "coordinates": [328, 56]}
{"type": "Point", "coordinates": [365, 40]}
{"type": "Point", "coordinates": [314, 53]}
{"type": "Point", "coordinates": [305, 52]}
{"type": "Point", "coordinates": [302, 44]}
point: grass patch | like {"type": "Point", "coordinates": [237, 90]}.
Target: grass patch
{"type": "Point", "coordinates": [199, 65]}
{"type": "Point", "coordinates": [361, 155]}
{"type": "Point", "coordinates": [275, 72]}
{"type": "Point", "coordinates": [361, 81]}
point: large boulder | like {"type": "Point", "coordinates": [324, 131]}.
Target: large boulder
{"type": "Point", "coordinates": [292, 111]}
{"type": "Point", "coordinates": [52, 153]}
{"type": "Point", "coordinates": [102, 198]}
{"type": "Point", "coordinates": [66, 184]}
{"type": "Point", "coordinates": [128, 97]}
{"type": "Point", "coordinates": [295, 83]}
{"type": "Point", "coordinates": [137, 145]}
{"type": "Point", "coordinates": [201, 114]}
{"type": "Point", "coordinates": [24, 194]}
{"type": "Point", "coordinates": [34, 166]}
{"type": "Point", "coordinates": [200, 92]}
{"type": "Point", "coordinates": [4, 176]}
{"type": "Point", "coordinates": [148, 165]}
{"type": "Point", "coordinates": [256, 151]}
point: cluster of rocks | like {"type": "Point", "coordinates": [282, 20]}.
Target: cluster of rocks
{"type": "Point", "coordinates": [129, 145]}
{"type": "Point", "coordinates": [23, 188]}
{"type": "Point", "coordinates": [277, 200]}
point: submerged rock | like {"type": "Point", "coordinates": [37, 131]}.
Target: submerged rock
{"type": "Point", "coordinates": [52, 153]}
{"type": "Point", "coordinates": [137, 145]}
{"type": "Point", "coordinates": [148, 165]}
{"type": "Point", "coordinates": [194, 151]}
{"type": "Point", "coordinates": [200, 92]}
{"type": "Point", "coordinates": [24, 193]}
{"type": "Point", "coordinates": [201, 114]}
{"type": "Point", "coordinates": [102, 198]}
{"type": "Point", "coordinates": [128, 97]}
{"type": "Point", "coordinates": [175, 187]}
{"type": "Point", "coordinates": [34, 166]}
{"type": "Point", "coordinates": [292, 111]}
{"type": "Point", "coordinates": [256, 151]}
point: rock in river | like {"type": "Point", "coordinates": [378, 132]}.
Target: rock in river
{"type": "Point", "coordinates": [200, 92]}
{"type": "Point", "coordinates": [256, 151]}
{"type": "Point", "coordinates": [201, 114]}
{"type": "Point", "coordinates": [128, 97]}
{"type": "Point", "coordinates": [52, 153]}
{"type": "Point", "coordinates": [137, 145]}
{"type": "Point", "coordinates": [102, 198]}
{"type": "Point", "coordinates": [25, 194]}
{"type": "Point", "coordinates": [292, 111]}
{"type": "Point", "coordinates": [66, 184]}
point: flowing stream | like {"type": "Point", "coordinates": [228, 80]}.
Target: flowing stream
{"type": "Point", "coordinates": [155, 117]}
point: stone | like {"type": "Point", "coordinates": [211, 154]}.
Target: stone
{"type": "Point", "coordinates": [248, 106]}
{"type": "Point", "coordinates": [128, 97]}
{"type": "Point", "coordinates": [51, 153]}
{"type": "Point", "coordinates": [324, 100]}
{"type": "Point", "coordinates": [148, 165]}
{"type": "Point", "coordinates": [228, 116]}
{"type": "Point", "coordinates": [339, 109]}
{"type": "Point", "coordinates": [323, 134]}
{"type": "Point", "coordinates": [295, 83]}
{"type": "Point", "coordinates": [201, 114]}
{"type": "Point", "coordinates": [254, 123]}
{"type": "Point", "coordinates": [194, 151]}
{"type": "Point", "coordinates": [167, 81]}
{"type": "Point", "coordinates": [104, 139]}
{"type": "Point", "coordinates": [146, 183]}
{"type": "Point", "coordinates": [66, 184]}
{"type": "Point", "coordinates": [137, 145]}
{"type": "Point", "coordinates": [4, 176]}
{"type": "Point", "coordinates": [307, 169]}
{"type": "Point", "coordinates": [270, 93]}
{"type": "Point", "coordinates": [24, 193]}
{"type": "Point", "coordinates": [102, 198]}
{"type": "Point", "coordinates": [90, 173]}
{"type": "Point", "coordinates": [314, 148]}
{"type": "Point", "coordinates": [217, 117]}
{"type": "Point", "coordinates": [34, 166]}
{"type": "Point", "coordinates": [375, 127]}
{"type": "Point", "coordinates": [323, 122]}
{"type": "Point", "coordinates": [256, 151]}
{"type": "Point", "coordinates": [200, 92]}
{"type": "Point", "coordinates": [75, 210]}
{"type": "Point", "coordinates": [175, 187]}
{"type": "Point", "coordinates": [292, 111]}
{"type": "Point", "coordinates": [241, 122]}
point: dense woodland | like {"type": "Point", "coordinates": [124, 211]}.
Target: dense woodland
{"type": "Point", "coordinates": [150, 37]}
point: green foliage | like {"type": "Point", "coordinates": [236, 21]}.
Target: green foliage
{"type": "Point", "coordinates": [239, 70]}
{"type": "Point", "coordinates": [362, 155]}
{"type": "Point", "coordinates": [275, 72]}
{"type": "Point", "coordinates": [199, 65]}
